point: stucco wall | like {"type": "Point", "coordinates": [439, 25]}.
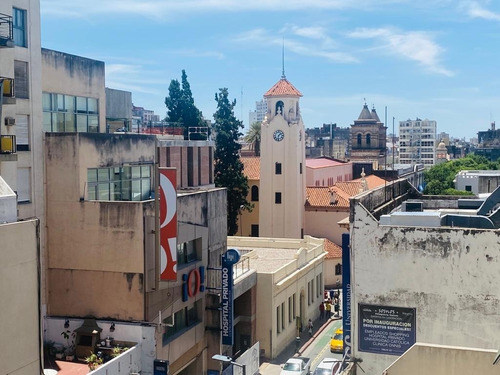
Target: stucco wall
{"type": "Point", "coordinates": [19, 287]}
{"type": "Point", "coordinates": [118, 104]}
{"type": "Point", "coordinates": [341, 172]}
{"type": "Point", "coordinates": [323, 224]}
{"type": "Point", "coordinates": [449, 275]}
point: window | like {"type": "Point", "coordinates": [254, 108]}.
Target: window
{"type": "Point", "coordinates": [277, 198]}
{"type": "Point", "coordinates": [279, 107]}
{"type": "Point", "coordinates": [283, 315]}
{"type": "Point", "coordinates": [294, 312]}
{"type": "Point", "coordinates": [22, 133]}
{"type": "Point", "coordinates": [19, 27]}
{"type": "Point", "coordinates": [21, 87]}
{"type": "Point", "coordinates": [338, 269]}
{"type": "Point", "coordinates": [23, 185]}
{"type": "Point", "coordinates": [277, 168]}
{"type": "Point", "coordinates": [278, 325]}
{"type": "Point", "coordinates": [359, 139]}
{"type": "Point", "coordinates": [290, 316]}
{"type": "Point", "coordinates": [188, 252]}
{"type": "Point", "coordinates": [468, 188]}
{"type": "Point", "coordinates": [127, 183]}
{"type": "Point", "coordinates": [368, 139]}
{"type": "Point", "coordinates": [255, 193]}
{"type": "Point", "coordinates": [254, 230]}
{"type": "Point", "coordinates": [183, 319]}
{"type": "Point", "coordinates": [300, 168]}
{"type": "Point", "coordinates": [67, 113]}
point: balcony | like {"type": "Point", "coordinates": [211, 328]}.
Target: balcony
{"type": "Point", "coordinates": [8, 148]}
{"type": "Point", "coordinates": [6, 33]}
{"type": "Point", "coordinates": [7, 91]}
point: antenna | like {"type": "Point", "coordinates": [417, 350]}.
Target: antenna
{"type": "Point", "coordinates": [283, 60]}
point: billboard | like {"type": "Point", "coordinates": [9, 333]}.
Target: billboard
{"type": "Point", "coordinates": [386, 329]}
{"type": "Point", "coordinates": [168, 224]}
{"type": "Point", "coordinates": [230, 257]}
{"type": "Point", "coordinates": [346, 295]}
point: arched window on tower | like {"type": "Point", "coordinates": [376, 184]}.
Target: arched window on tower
{"type": "Point", "coordinates": [368, 139]}
{"type": "Point", "coordinates": [279, 107]}
{"type": "Point", "coordinates": [255, 193]}
{"type": "Point", "coordinates": [359, 139]}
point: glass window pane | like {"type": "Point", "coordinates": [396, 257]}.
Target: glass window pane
{"type": "Point", "coordinates": [93, 124]}
{"type": "Point", "coordinates": [146, 171]}
{"type": "Point", "coordinates": [69, 102]}
{"type": "Point", "coordinates": [92, 175]}
{"type": "Point", "coordinates": [46, 101]}
{"type": "Point", "coordinates": [126, 173]}
{"type": "Point", "coordinates": [81, 104]}
{"type": "Point", "coordinates": [145, 189]}
{"type": "Point", "coordinates": [81, 123]}
{"type": "Point", "coordinates": [69, 119]}
{"type": "Point", "coordinates": [59, 122]}
{"type": "Point", "coordinates": [126, 190]}
{"type": "Point", "coordinates": [47, 121]}
{"type": "Point", "coordinates": [92, 196]}
{"type": "Point", "coordinates": [60, 103]}
{"type": "Point", "coordinates": [103, 192]}
{"type": "Point", "coordinates": [103, 174]}
{"type": "Point", "coordinates": [136, 190]}
{"type": "Point", "coordinates": [136, 172]}
{"type": "Point", "coordinates": [117, 174]}
{"type": "Point", "coordinates": [92, 105]}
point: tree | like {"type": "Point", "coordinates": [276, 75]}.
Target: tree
{"type": "Point", "coordinates": [180, 105]}
{"type": "Point", "coordinates": [228, 166]}
{"type": "Point", "coordinates": [253, 136]}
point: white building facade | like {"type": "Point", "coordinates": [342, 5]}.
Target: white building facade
{"type": "Point", "coordinates": [417, 142]}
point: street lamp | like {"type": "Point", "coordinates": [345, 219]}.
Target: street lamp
{"type": "Point", "coordinates": [226, 359]}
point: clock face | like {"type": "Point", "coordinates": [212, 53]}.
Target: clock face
{"type": "Point", "coordinates": [278, 135]}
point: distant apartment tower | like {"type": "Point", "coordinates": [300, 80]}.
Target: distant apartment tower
{"type": "Point", "coordinates": [417, 141]}
{"type": "Point", "coordinates": [259, 113]}
{"type": "Point", "coordinates": [146, 115]}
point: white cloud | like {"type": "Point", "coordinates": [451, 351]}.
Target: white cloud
{"type": "Point", "coordinates": [475, 10]}
{"type": "Point", "coordinates": [322, 48]}
{"type": "Point", "coordinates": [133, 78]}
{"type": "Point", "coordinates": [414, 45]}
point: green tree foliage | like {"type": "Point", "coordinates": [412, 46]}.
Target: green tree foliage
{"type": "Point", "coordinates": [228, 166]}
{"type": "Point", "coordinates": [253, 136]}
{"type": "Point", "coordinates": [440, 178]}
{"type": "Point", "coordinates": [181, 109]}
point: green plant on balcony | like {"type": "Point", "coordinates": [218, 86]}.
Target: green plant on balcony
{"type": "Point", "coordinates": [93, 361]}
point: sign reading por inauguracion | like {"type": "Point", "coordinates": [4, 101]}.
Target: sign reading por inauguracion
{"type": "Point", "coordinates": [230, 257]}
{"type": "Point", "coordinates": [168, 224]}
{"type": "Point", "coordinates": [386, 329]}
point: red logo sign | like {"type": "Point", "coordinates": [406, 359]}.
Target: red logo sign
{"type": "Point", "coordinates": [168, 224]}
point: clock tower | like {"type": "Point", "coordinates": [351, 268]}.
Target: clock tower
{"type": "Point", "coordinates": [282, 164]}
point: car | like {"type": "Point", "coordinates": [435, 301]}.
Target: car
{"type": "Point", "coordinates": [337, 342]}
{"type": "Point", "coordinates": [328, 366]}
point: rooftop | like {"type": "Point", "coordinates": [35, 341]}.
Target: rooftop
{"type": "Point", "coordinates": [322, 163]}
{"type": "Point", "coordinates": [282, 88]}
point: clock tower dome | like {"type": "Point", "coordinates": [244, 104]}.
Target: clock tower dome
{"type": "Point", "coordinates": [282, 164]}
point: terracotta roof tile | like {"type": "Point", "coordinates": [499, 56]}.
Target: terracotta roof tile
{"type": "Point", "coordinates": [251, 167]}
{"type": "Point", "coordinates": [332, 249]}
{"type": "Point", "coordinates": [319, 196]}
{"type": "Point", "coordinates": [283, 88]}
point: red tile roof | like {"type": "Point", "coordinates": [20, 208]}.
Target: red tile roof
{"type": "Point", "coordinates": [332, 249]}
{"type": "Point", "coordinates": [251, 167]}
{"type": "Point", "coordinates": [283, 88]}
{"type": "Point", "coordinates": [319, 196]}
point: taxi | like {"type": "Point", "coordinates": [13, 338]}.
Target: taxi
{"type": "Point", "coordinates": [337, 342]}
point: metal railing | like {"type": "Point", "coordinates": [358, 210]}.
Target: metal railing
{"type": "Point", "coordinates": [6, 31]}
{"type": "Point", "coordinates": [8, 144]}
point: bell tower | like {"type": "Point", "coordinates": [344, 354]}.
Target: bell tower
{"type": "Point", "coordinates": [282, 164]}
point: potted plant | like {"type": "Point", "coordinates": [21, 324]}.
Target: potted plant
{"type": "Point", "coordinates": [93, 361]}
{"type": "Point", "coordinates": [69, 348]}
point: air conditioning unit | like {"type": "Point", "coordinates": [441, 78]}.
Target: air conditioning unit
{"type": "Point", "coordinates": [10, 121]}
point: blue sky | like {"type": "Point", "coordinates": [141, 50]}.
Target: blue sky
{"type": "Point", "coordinates": [435, 59]}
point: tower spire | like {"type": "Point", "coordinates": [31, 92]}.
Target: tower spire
{"type": "Point", "coordinates": [283, 60]}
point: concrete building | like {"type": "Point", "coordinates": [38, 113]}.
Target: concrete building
{"type": "Point", "coordinates": [326, 172]}
{"type": "Point", "coordinates": [281, 213]}
{"type": "Point", "coordinates": [422, 270]}
{"type": "Point", "coordinates": [329, 140]}
{"type": "Point", "coordinates": [103, 251]}
{"type": "Point", "coordinates": [368, 139]}
{"type": "Point", "coordinates": [417, 142]}
{"type": "Point", "coordinates": [259, 113]}
{"type": "Point", "coordinates": [20, 323]}
{"type": "Point", "coordinates": [118, 110]}
{"type": "Point", "coordinates": [489, 143]}
{"type": "Point", "coordinates": [289, 286]}
{"type": "Point", "coordinates": [478, 182]}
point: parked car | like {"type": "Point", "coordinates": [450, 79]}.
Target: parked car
{"type": "Point", "coordinates": [297, 366]}
{"type": "Point", "coordinates": [337, 342]}
{"type": "Point", "coordinates": [328, 366]}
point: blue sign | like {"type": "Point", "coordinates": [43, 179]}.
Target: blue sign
{"type": "Point", "coordinates": [232, 256]}
{"type": "Point", "coordinates": [346, 295]}
{"type": "Point", "coordinates": [160, 367]}
{"type": "Point", "coordinates": [386, 329]}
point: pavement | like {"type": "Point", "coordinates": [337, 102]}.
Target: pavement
{"type": "Point", "coordinates": [273, 366]}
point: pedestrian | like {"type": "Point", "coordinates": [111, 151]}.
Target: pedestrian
{"type": "Point", "coordinates": [321, 310]}
{"type": "Point", "coordinates": [328, 309]}
{"type": "Point", "coordinates": [310, 327]}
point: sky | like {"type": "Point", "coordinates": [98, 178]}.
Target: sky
{"type": "Point", "coordinates": [434, 59]}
